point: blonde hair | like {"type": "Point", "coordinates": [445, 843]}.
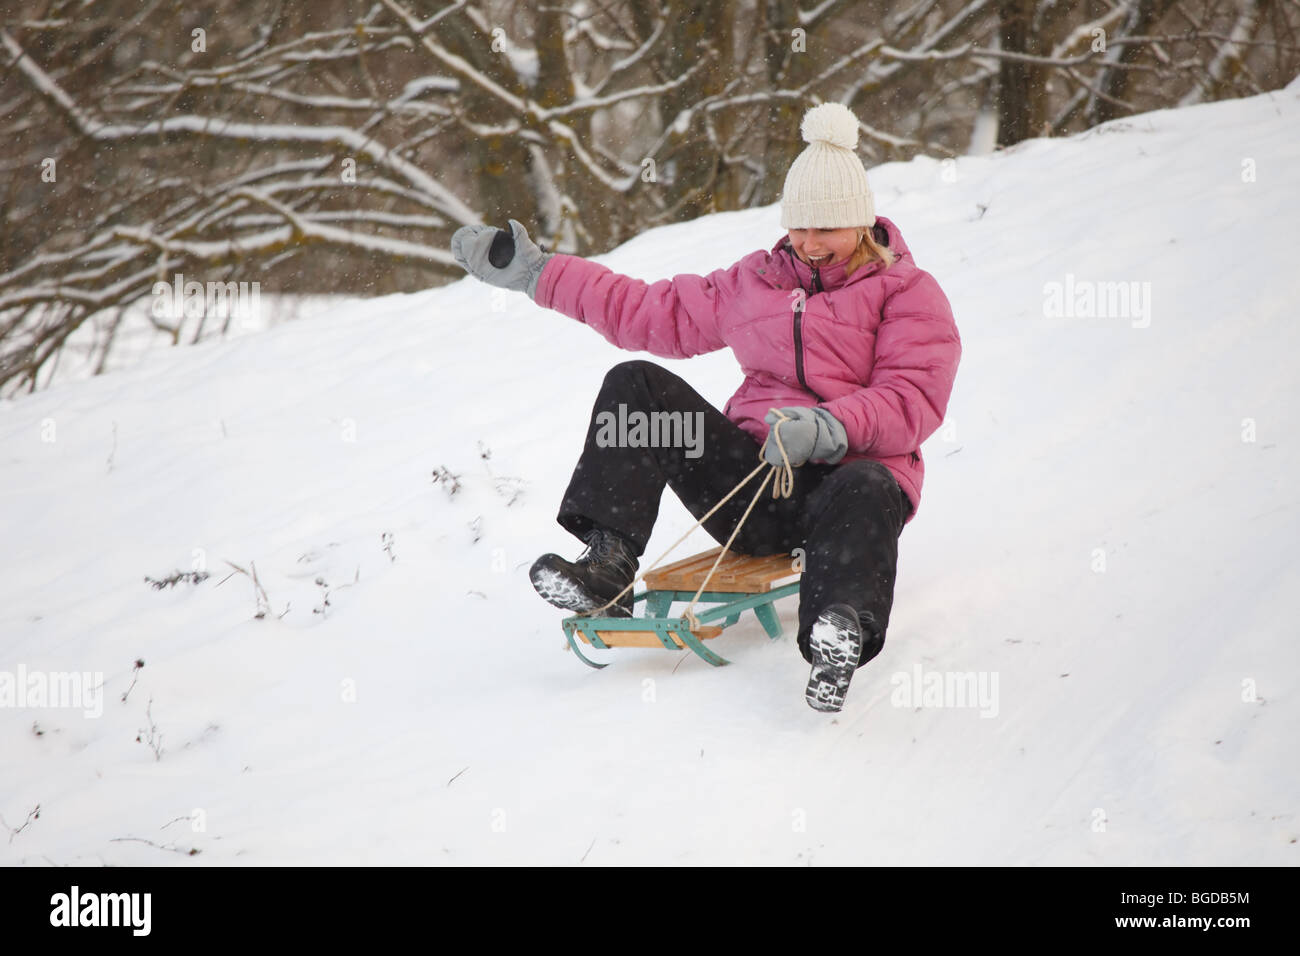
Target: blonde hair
{"type": "Point", "coordinates": [868, 251]}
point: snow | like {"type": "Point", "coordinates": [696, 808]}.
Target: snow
{"type": "Point", "coordinates": [138, 341]}
{"type": "Point", "coordinates": [1100, 540]}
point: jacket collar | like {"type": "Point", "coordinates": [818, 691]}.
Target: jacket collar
{"type": "Point", "coordinates": [832, 277]}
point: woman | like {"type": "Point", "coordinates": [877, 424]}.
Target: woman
{"type": "Point", "coordinates": [836, 327]}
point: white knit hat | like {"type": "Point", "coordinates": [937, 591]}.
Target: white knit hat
{"type": "Point", "coordinates": [826, 186]}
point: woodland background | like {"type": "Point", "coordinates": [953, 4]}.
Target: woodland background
{"type": "Point", "coordinates": [334, 146]}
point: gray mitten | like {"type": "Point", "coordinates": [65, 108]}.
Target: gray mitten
{"type": "Point", "coordinates": [814, 434]}
{"type": "Point", "coordinates": [506, 260]}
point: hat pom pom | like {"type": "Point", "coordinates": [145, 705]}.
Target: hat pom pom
{"type": "Point", "coordinates": [832, 123]}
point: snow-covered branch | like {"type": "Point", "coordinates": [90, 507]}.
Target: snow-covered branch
{"type": "Point", "coordinates": [335, 147]}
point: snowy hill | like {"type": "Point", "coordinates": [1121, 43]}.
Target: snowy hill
{"type": "Point", "coordinates": [1106, 538]}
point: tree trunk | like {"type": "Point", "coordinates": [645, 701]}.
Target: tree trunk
{"type": "Point", "coordinates": [1017, 117]}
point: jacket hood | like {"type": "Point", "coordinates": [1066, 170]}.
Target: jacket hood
{"type": "Point", "coordinates": [832, 277]}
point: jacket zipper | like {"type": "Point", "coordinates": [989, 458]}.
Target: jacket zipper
{"type": "Point", "coordinates": [798, 336]}
{"type": "Point", "coordinates": [798, 343]}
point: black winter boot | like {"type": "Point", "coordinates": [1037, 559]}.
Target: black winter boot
{"type": "Point", "coordinates": [607, 566]}
{"type": "Point", "coordinates": [836, 645]}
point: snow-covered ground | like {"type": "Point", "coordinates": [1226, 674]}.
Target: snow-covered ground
{"type": "Point", "coordinates": [1106, 540]}
{"type": "Point", "coordinates": [137, 337]}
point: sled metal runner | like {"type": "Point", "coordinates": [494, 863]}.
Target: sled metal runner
{"type": "Point", "coordinates": [738, 585]}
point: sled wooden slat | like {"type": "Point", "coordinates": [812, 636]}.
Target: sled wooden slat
{"type": "Point", "coordinates": [615, 638]}
{"type": "Point", "coordinates": [741, 584]}
{"type": "Point", "coordinates": [737, 573]}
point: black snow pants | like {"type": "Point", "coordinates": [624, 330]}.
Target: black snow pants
{"type": "Point", "coordinates": [847, 518]}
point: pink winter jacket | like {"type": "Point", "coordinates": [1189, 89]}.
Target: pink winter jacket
{"type": "Point", "coordinates": [879, 350]}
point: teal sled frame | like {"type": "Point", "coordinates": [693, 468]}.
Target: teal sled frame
{"type": "Point", "coordinates": [731, 605]}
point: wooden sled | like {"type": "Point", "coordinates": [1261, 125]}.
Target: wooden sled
{"type": "Point", "coordinates": [739, 584]}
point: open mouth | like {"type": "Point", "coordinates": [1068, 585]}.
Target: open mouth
{"type": "Point", "coordinates": [821, 260]}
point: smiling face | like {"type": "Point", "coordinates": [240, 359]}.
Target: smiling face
{"type": "Point", "coordinates": [824, 247]}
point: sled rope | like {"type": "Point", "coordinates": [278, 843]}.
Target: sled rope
{"type": "Point", "coordinates": [783, 487]}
